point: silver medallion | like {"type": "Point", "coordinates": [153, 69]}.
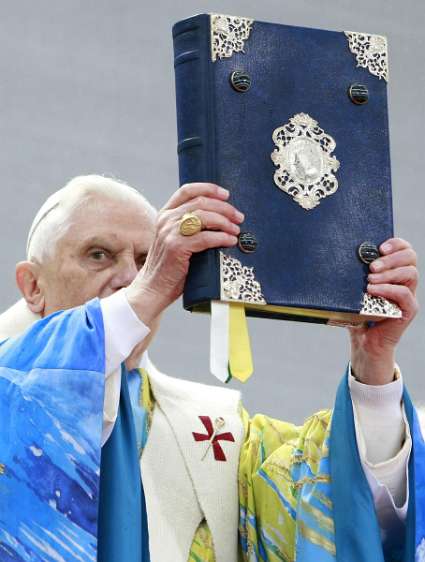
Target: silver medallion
{"type": "Point", "coordinates": [304, 161]}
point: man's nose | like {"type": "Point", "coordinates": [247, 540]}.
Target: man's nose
{"type": "Point", "coordinates": [125, 274]}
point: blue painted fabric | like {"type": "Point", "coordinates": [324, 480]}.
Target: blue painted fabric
{"type": "Point", "coordinates": [357, 532]}
{"type": "Point", "coordinates": [51, 408]}
{"type": "Point", "coordinates": [123, 528]}
{"type": "Point", "coordinates": [415, 534]}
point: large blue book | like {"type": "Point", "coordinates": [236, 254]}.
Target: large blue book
{"type": "Point", "coordinates": [294, 122]}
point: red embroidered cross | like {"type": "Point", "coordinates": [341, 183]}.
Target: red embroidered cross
{"type": "Point", "coordinates": [218, 451]}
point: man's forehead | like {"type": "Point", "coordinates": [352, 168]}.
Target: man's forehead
{"type": "Point", "coordinates": [111, 227]}
{"type": "Point", "coordinates": [106, 212]}
{"type": "Point", "coordinates": [111, 240]}
{"type": "Point", "coordinates": [97, 202]}
{"type": "Point", "coordinates": [89, 206]}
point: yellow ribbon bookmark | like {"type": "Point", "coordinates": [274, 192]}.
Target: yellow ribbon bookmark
{"type": "Point", "coordinates": [240, 356]}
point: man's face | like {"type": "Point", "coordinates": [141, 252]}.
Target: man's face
{"type": "Point", "coordinates": [101, 252]}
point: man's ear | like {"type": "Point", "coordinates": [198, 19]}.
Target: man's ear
{"type": "Point", "coordinates": [27, 279]}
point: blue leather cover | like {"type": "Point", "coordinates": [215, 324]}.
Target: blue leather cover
{"type": "Point", "coordinates": [304, 258]}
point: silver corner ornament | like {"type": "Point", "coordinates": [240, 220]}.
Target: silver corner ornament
{"type": "Point", "coordinates": [228, 35]}
{"type": "Point", "coordinates": [371, 52]}
{"type": "Point", "coordinates": [304, 161]}
{"type": "Point", "coordinates": [238, 282]}
{"type": "Point", "coordinates": [379, 306]}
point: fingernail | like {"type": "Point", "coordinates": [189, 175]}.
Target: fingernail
{"type": "Point", "coordinates": [234, 239]}
{"type": "Point", "coordinates": [236, 229]}
{"type": "Point", "coordinates": [377, 265]}
{"type": "Point", "coordinates": [386, 247]}
{"type": "Point", "coordinates": [240, 216]}
{"type": "Point", "coordinates": [223, 192]}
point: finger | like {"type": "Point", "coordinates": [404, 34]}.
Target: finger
{"type": "Point", "coordinates": [209, 239]}
{"type": "Point", "coordinates": [203, 203]}
{"type": "Point", "coordinates": [391, 261]}
{"type": "Point", "coordinates": [216, 221]}
{"type": "Point", "coordinates": [189, 191]}
{"type": "Point", "coordinates": [407, 275]}
{"type": "Point", "coordinates": [399, 295]}
{"type": "Point", "coordinates": [394, 245]}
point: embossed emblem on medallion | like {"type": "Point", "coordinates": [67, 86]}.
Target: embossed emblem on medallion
{"type": "Point", "coordinates": [371, 52]}
{"type": "Point", "coordinates": [238, 282]}
{"type": "Point", "coordinates": [304, 161]}
{"type": "Point", "coordinates": [228, 35]}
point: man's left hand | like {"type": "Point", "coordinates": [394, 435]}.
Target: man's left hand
{"type": "Point", "coordinates": [393, 276]}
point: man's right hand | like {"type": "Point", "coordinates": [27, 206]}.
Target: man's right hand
{"type": "Point", "coordinates": [161, 280]}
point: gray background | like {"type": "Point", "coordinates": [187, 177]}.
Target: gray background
{"type": "Point", "coordinates": [88, 87]}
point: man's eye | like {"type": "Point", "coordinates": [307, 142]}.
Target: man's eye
{"type": "Point", "coordinates": [99, 255]}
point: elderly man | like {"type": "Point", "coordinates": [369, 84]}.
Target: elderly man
{"type": "Point", "coordinates": [80, 402]}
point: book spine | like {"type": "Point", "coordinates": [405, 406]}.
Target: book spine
{"type": "Point", "coordinates": [195, 138]}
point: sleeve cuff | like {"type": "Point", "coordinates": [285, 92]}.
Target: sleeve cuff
{"type": "Point", "coordinates": [384, 443]}
{"type": "Point", "coordinates": [123, 330]}
{"type": "Point", "coordinates": [385, 395]}
{"type": "Point", "coordinates": [389, 482]}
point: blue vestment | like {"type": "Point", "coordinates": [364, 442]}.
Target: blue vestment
{"type": "Point", "coordinates": [305, 498]}
{"type": "Point", "coordinates": [123, 523]}
{"type": "Point", "coordinates": [52, 469]}
{"type": "Point", "coordinates": [357, 533]}
{"type": "Point", "coordinates": [51, 410]}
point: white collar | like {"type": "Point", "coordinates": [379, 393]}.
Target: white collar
{"type": "Point", "coordinates": [190, 391]}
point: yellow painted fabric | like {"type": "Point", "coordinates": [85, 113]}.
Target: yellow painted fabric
{"type": "Point", "coordinates": [271, 485]}
{"type": "Point", "coordinates": [270, 477]}
{"type": "Point", "coordinates": [202, 549]}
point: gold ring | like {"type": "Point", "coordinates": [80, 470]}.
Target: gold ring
{"type": "Point", "coordinates": [190, 224]}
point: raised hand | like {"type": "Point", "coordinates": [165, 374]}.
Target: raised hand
{"type": "Point", "coordinates": [393, 276]}
{"type": "Point", "coordinates": [161, 280]}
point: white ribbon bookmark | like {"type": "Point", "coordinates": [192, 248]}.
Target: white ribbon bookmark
{"type": "Point", "coordinates": [219, 340]}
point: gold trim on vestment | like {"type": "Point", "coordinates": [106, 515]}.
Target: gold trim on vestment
{"type": "Point", "coordinates": [323, 499]}
{"type": "Point", "coordinates": [323, 520]}
{"type": "Point", "coordinates": [145, 400]}
{"type": "Point", "coordinates": [312, 480]}
{"type": "Point", "coordinates": [316, 538]}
